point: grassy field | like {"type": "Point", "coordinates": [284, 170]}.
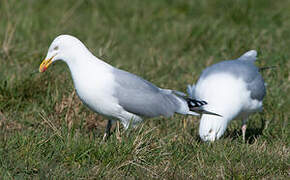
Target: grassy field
{"type": "Point", "coordinates": [46, 132]}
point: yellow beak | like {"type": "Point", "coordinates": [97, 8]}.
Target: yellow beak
{"type": "Point", "coordinates": [45, 63]}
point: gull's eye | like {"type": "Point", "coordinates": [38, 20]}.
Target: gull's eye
{"type": "Point", "coordinates": [55, 48]}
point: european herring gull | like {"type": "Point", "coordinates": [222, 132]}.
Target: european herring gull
{"type": "Point", "coordinates": [114, 93]}
{"type": "Point", "coordinates": [233, 89]}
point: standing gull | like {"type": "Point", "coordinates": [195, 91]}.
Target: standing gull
{"type": "Point", "coordinates": [233, 89]}
{"type": "Point", "coordinates": [114, 93]}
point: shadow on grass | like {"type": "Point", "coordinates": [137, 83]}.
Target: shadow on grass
{"type": "Point", "coordinates": [251, 133]}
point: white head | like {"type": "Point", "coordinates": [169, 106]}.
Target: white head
{"type": "Point", "coordinates": [63, 47]}
{"type": "Point", "coordinates": [211, 127]}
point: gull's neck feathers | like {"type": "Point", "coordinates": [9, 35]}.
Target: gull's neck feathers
{"type": "Point", "coordinates": [80, 57]}
{"type": "Point", "coordinates": [84, 61]}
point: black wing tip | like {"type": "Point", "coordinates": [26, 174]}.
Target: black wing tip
{"type": "Point", "coordinates": [211, 113]}
{"type": "Point", "coordinates": [195, 106]}
{"type": "Point", "coordinates": [195, 103]}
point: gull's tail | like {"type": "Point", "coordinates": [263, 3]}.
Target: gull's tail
{"type": "Point", "coordinates": [267, 67]}
{"type": "Point", "coordinates": [249, 56]}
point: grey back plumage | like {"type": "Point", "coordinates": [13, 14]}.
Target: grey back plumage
{"type": "Point", "coordinates": [142, 98]}
{"type": "Point", "coordinates": [244, 68]}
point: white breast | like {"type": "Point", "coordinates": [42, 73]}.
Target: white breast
{"type": "Point", "coordinates": [94, 87]}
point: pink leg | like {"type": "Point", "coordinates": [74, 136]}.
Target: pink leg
{"type": "Point", "coordinates": [244, 128]}
{"type": "Point", "coordinates": [118, 134]}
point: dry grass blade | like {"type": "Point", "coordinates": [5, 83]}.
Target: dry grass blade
{"type": "Point", "coordinates": [69, 122]}
{"type": "Point", "coordinates": [50, 124]}
{"type": "Point", "coordinates": [70, 12]}
{"type": "Point", "coordinates": [9, 34]}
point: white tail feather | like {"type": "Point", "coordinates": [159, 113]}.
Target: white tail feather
{"type": "Point", "coordinates": [249, 56]}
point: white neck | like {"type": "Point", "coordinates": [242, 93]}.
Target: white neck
{"type": "Point", "coordinates": [83, 60]}
{"type": "Point", "coordinates": [84, 66]}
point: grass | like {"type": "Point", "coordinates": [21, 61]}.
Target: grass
{"type": "Point", "coordinates": [46, 132]}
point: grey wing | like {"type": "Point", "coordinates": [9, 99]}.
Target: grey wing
{"type": "Point", "coordinates": [140, 97]}
{"type": "Point", "coordinates": [255, 82]}
{"type": "Point", "coordinates": [257, 87]}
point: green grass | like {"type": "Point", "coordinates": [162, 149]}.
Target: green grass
{"type": "Point", "coordinates": [46, 132]}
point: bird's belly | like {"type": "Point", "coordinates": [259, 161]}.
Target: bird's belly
{"type": "Point", "coordinates": [108, 106]}
{"type": "Point", "coordinates": [102, 101]}
{"type": "Point", "coordinates": [98, 102]}
{"type": "Point", "coordinates": [97, 94]}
